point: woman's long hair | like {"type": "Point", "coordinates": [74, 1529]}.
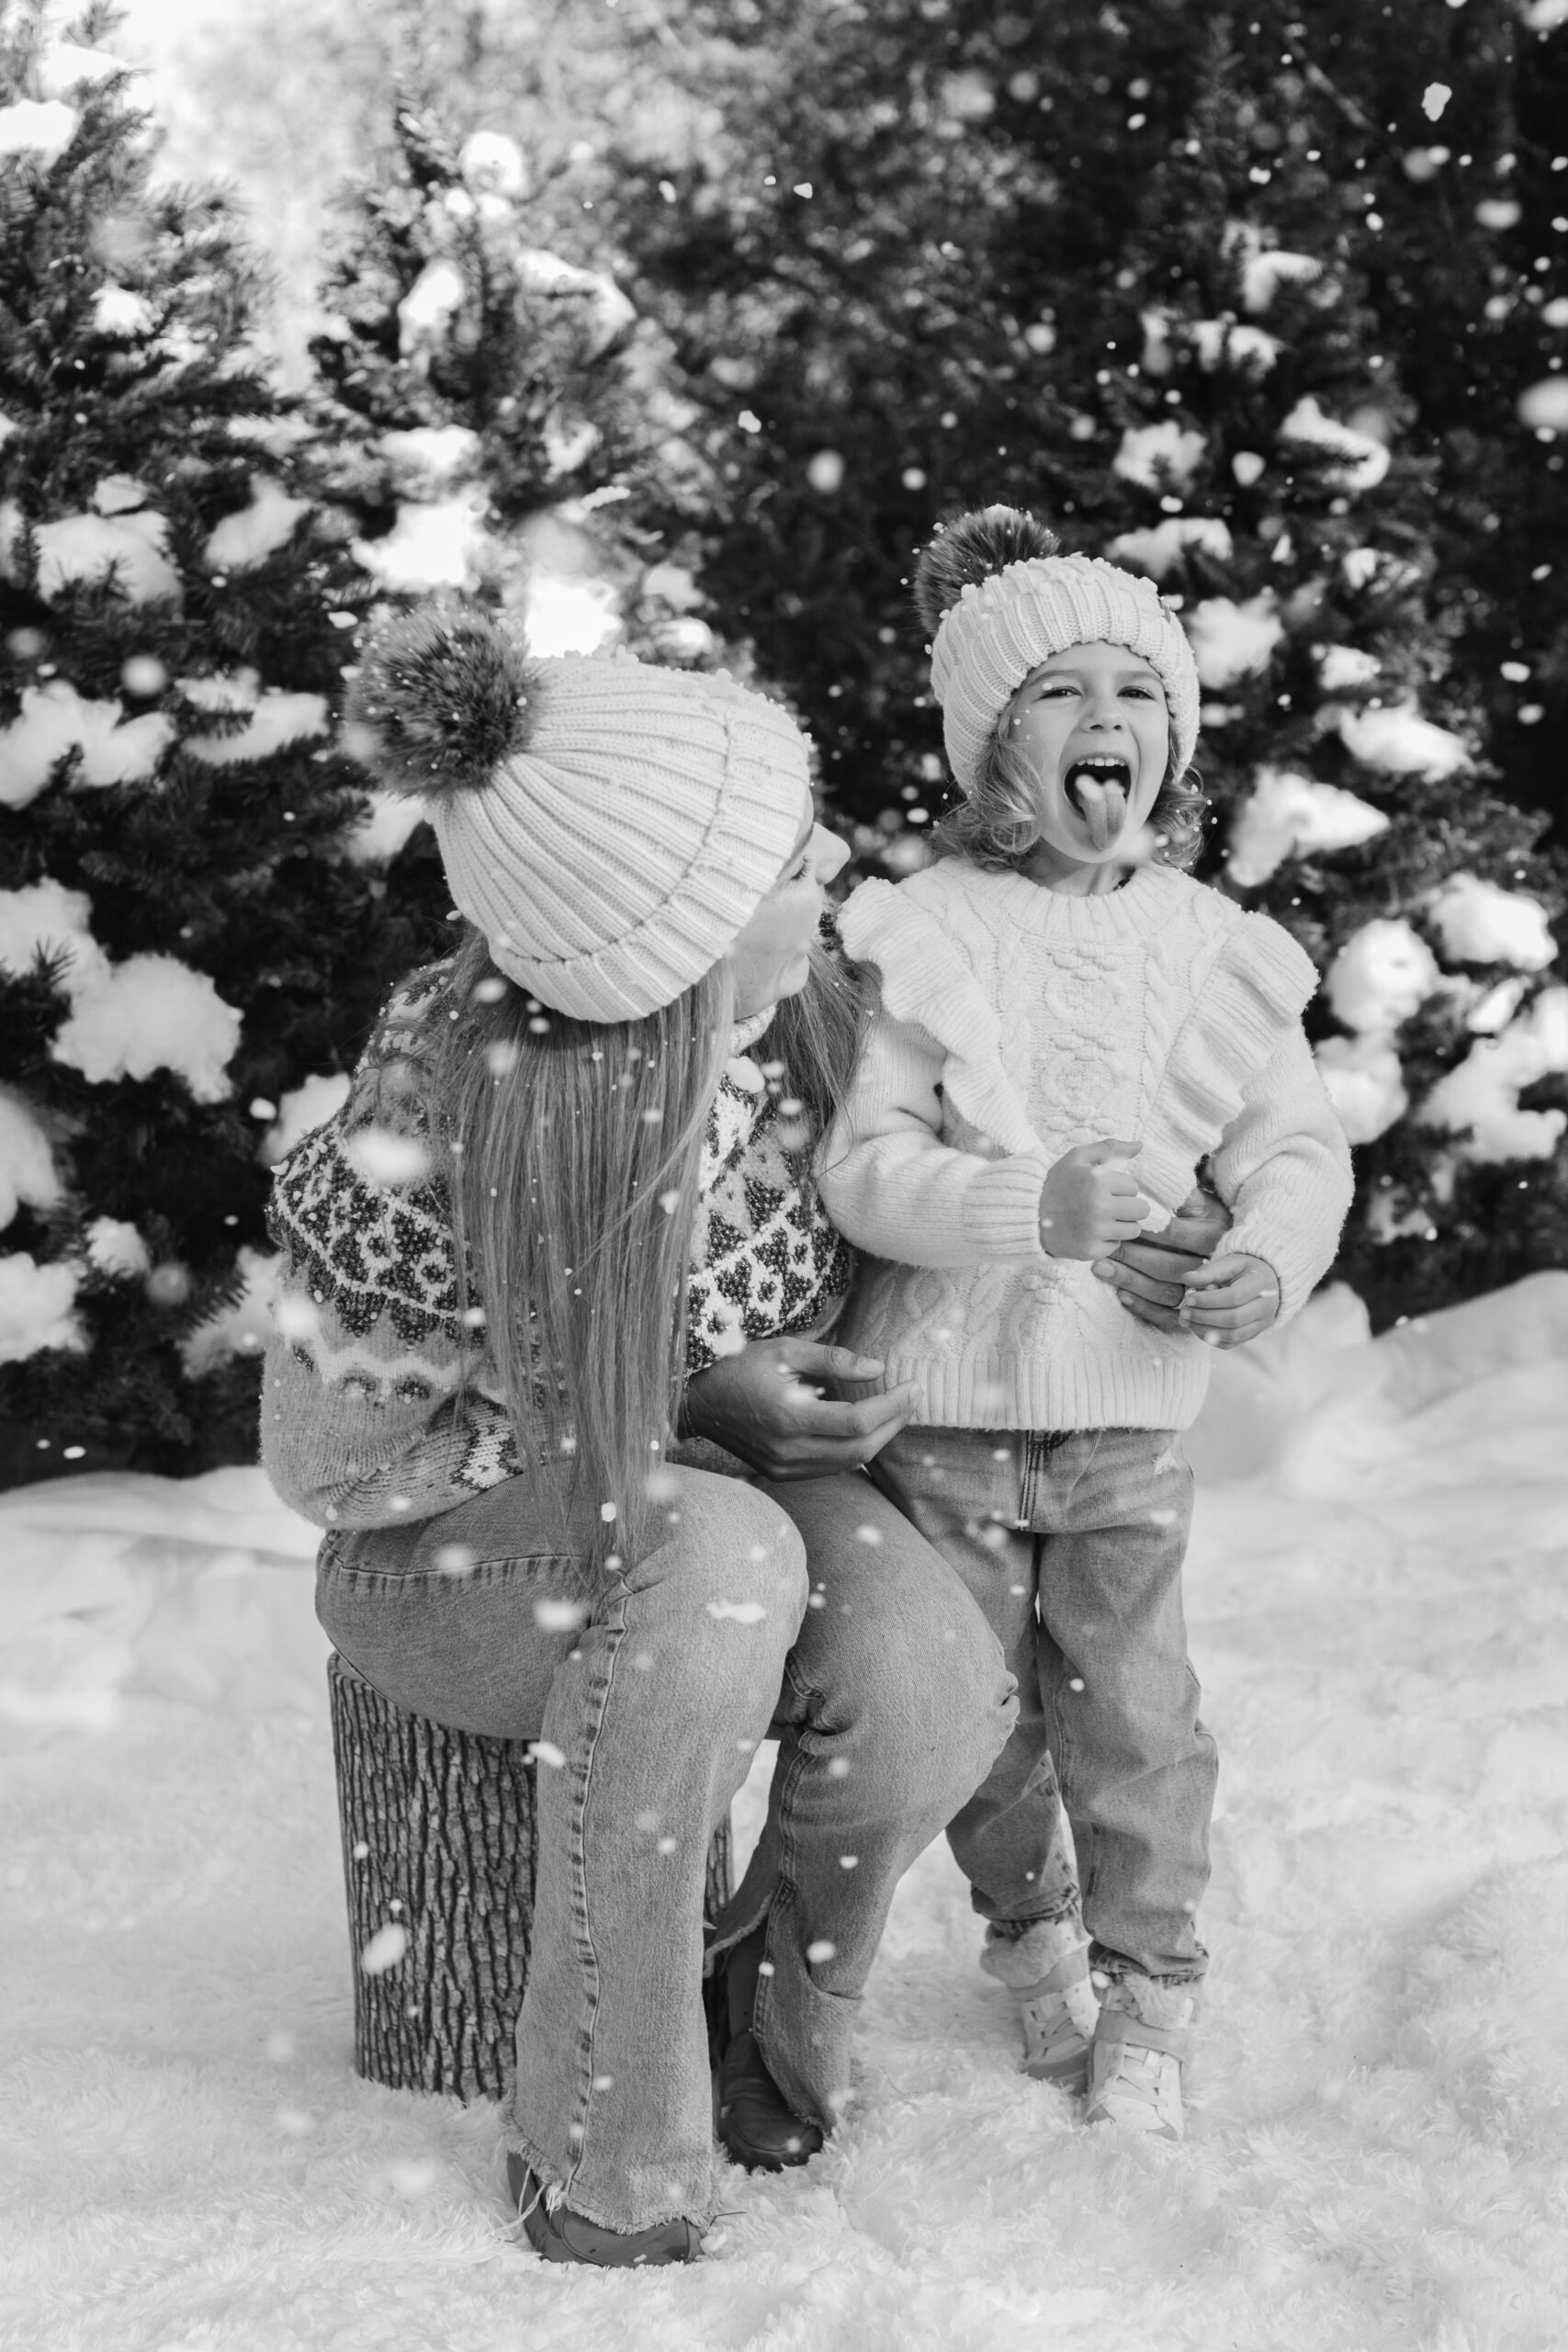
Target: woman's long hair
{"type": "Point", "coordinates": [813, 1038]}
{"type": "Point", "coordinates": [573, 1149]}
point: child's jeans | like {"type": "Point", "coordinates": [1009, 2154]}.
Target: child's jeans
{"type": "Point", "coordinates": [1072, 1543]}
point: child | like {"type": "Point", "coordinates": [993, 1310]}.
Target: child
{"type": "Point", "coordinates": [1068, 1025]}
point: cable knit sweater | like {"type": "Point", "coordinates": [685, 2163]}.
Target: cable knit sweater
{"type": "Point", "coordinates": [379, 1402]}
{"type": "Point", "coordinates": [1016, 1022]}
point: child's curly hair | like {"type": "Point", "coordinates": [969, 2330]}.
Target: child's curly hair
{"type": "Point", "coordinates": [997, 825]}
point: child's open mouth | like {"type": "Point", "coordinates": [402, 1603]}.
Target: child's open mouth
{"type": "Point", "coordinates": [1098, 788]}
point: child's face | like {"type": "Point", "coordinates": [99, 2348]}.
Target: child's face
{"type": "Point", "coordinates": [1092, 729]}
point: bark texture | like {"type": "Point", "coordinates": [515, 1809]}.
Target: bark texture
{"type": "Point", "coordinates": [439, 1850]}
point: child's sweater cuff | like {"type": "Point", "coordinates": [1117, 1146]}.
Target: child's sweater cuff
{"type": "Point", "coordinates": [1001, 1207]}
{"type": "Point", "coordinates": [1298, 1264]}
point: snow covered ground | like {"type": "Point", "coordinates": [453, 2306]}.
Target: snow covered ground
{"type": "Point", "coordinates": [1379, 1601]}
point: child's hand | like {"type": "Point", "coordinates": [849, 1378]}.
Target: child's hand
{"type": "Point", "coordinates": [1088, 1204]}
{"type": "Point", "coordinates": [1230, 1300]}
{"type": "Point", "coordinates": [1149, 1276]}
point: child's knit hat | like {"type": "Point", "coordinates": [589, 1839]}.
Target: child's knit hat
{"type": "Point", "coordinates": [1000, 601]}
{"type": "Point", "coordinates": [609, 826]}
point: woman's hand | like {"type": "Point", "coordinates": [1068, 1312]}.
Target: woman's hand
{"type": "Point", "coordinates": [1149, 1276]}
{"type": "Point", "coordinates": [767, 1405]}
{"type": "Point", "coordinates": [1089, 1201]}
{"type": "Point", "coordinates": [1231, 1300]}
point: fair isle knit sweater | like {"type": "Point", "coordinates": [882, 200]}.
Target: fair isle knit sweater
{"type": "Point", "coordinates": [380, 1401]}
{"type": "Point", "coordinates": [1016, 1022]}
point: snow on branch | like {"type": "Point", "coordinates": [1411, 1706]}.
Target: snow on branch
{"type": "Point", "coordinates": [1287, 815]}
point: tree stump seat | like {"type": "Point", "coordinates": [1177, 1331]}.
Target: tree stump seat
{"type": "Point", "coordinates": [439, 1861]}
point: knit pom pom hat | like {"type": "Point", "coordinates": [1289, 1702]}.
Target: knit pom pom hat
{"type": "Point", "coordinates": [1001, 601]}
{"type": "Point", "coordinates": [610, 827]}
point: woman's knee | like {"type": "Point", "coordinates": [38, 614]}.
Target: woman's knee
{"type": "Point", "coordinates": [958, 1681]}
{"type": "Point", "coordinates": [732, 1562]}
{"type": "Point", "coordinates": [926, 1689]}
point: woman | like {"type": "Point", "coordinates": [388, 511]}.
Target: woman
{"type": "Point", "coordinates": [473, 1388]}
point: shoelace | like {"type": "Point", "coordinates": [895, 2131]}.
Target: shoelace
{"type": "Point", "coordinates": [515, 2228]}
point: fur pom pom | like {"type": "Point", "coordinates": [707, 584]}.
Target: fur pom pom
{"type": "Point", "coordinates": [445, 694]}
{"type": "Point", "coordinates": [985, 540]}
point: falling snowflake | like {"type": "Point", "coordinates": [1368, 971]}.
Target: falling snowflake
{"type": "Point", "coordinates": [385, 1948]}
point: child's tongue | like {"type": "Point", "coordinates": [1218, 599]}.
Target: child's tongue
{"type": "Point", "coordinates": [1102, 801]}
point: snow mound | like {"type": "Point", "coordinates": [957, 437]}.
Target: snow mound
{"type": "Point", "coordinates": [1432, 1407]}
{"type": "Point", "coordinates": [1377, 1604]}
{"type": "Point", "coordinates": [194, 1589]}
{"type": "Point", "coordinates": [1429, 1428]}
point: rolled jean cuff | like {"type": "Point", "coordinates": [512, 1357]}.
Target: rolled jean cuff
{"type": "Point", "coordinates": [701, 2213]}
{"type": "Point", "coordinates": [1014, 1930]}
{"type": "Point", "coordinates": [1115, 1965]}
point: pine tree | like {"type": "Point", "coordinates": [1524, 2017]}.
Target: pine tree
{"type": "Point", "coordinates": [190, 927]}
{"type": "Point", "coordinates": [1344, 743]}
{"type": "Point", "coordinates": [493, 411]}
{"type": "Point", "coordinates": [1451, 122]}
{"type": "Point", "coordinates": [1141, 282]}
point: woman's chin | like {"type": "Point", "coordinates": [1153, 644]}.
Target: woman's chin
{"type": "Point", "coordinates": [791, 977]}
{"type": "Point", "coordinates": [795, 978]}
{"type": "Point", "coordinates": [788, 980]}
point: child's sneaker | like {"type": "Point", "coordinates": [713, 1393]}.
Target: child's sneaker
{"type": "Point", "coordinates": [1047, 1969]}
{"type": "Point", "coordinates": [1140, 2045]}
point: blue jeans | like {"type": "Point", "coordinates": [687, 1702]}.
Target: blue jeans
{"type": "Point", "coordinates": [651, 1692]}
{"type": "Point", "coordinates": [1072, 1543]}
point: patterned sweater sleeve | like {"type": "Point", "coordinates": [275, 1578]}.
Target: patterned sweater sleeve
{"type": "Point", "coordinates": [1283, 1169]}
{"type": "Point", "coordinates": [378, 1403]}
